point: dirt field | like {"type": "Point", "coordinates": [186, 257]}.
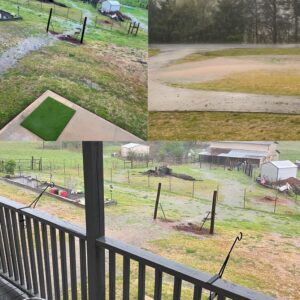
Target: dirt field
{"type": "Point", "coordinates": [208, 97]}
{"type": "Point", "coordinates": [163, 73]}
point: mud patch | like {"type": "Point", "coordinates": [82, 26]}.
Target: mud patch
{"type": "Point", "coordinates": [269, 199]}
{"type": "Point", "coordinates": [65, 37]}
{"type": "Point", "coordinates": [191, 228]}
{"type": "Point", "coordinates": [68, 38]}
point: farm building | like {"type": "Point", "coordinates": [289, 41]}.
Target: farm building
{"type": "Point", "coordinates": [138, 149]}
{"type": "Point", "coordinates": [109, 6]}
{"type": "Point", "coordinates": [255, 153]}
{"type": "Point", "coordinates": [275, 171]}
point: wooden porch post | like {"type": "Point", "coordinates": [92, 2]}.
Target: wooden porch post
{"type": "Point", "coordinates": [94, 212]}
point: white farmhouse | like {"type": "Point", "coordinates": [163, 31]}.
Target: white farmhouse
{"type": "Point", "coordinates": [274, 171]}
{"type": "Point", "coordinates": [109, 6]}
{"type": "Point", "coordinates": [137, 149]}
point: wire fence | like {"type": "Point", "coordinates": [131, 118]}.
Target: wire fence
{"type": "Point", "coordinates": [69, 13]}
{"type": "Point", "coordinates": [249, 195]}
{"type": "Point", "coordinates": [73, 14]}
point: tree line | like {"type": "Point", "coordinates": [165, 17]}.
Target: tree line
{"type": "Point", "coordinates": [228, 21]}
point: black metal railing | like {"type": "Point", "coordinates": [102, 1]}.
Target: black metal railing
{"type": "Point", "coordinates": [43, 256]}
{"type": "Point", "coordinates": [202, 289]}
{"type": "Point", "coordinates": [47, 257]}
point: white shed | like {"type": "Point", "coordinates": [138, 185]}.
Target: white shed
{"type": "Point", "coordinates": [274, 171]}
{"type": "Point", "coordinates": [137, 149]}
{"type": "Point", "coordinates": [110, 6]}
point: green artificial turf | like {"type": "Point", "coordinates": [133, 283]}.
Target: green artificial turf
{"type": "Point", "coordinates": [49, 119]}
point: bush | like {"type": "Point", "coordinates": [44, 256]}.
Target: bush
{"type": "Point", "coordinates": [10, 167]}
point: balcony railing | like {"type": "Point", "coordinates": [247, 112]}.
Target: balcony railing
{"type": "Point", "coordinates": [41, 255]}
{"type": "Point", "coordinates": [47, 257]}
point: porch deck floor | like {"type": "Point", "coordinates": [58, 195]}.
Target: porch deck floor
{"type": "Point", "coordinates": [10, 292]}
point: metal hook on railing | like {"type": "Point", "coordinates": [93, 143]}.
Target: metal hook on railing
{"type": "Point", "coordinates": [238, 238]}
{"type": "Point", "coordinates": [36, 200]}
{"type": "Point", "coordinates": [221, 272]}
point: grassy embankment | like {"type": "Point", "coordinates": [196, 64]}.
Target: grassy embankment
{"type": "Point", "coordinates": [91, 75]}
{"type": "Point", "coordinates": [222, 125]}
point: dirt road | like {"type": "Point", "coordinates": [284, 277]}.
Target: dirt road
{"type": "Point", "coordinates": [163, 97]}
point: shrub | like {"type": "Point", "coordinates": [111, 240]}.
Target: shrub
{"type": "Point", "coordinates": [10, 167]}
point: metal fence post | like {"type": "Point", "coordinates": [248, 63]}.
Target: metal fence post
{"type": "Point", "coordinates": [94, 211]}
{"type": "Point", "coordinates": [157, 201]}
{"type": "Point", "coordinates": [213, 213]}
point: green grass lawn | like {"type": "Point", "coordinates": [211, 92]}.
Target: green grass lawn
{"type": "Point", "coordinates": [222, 126]}
{"type": "Point", "coordinates": [49, 119]}
{"type": "Point", "coordinates": [285, 83]}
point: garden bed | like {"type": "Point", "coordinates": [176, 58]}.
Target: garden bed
{"type": "Point", "coordinates": [6, 16]}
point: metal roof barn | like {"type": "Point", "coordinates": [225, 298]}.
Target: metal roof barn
{"type": "Point", "coordinates": [135, 148]}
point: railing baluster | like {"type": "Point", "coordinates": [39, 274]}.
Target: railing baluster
{"type": "Point", "coordinates": [177, 288]}
{"type": "Point", "coordinates": [63, 261]}
{"type": "Point", "coordinates": [32, 255]}
{"type": "Point", "coordinates": [112, 275]}
{"type": "Point", "coordinates": [142, 280]}
{"type": "Point", "coordinates": [21, 220]}
{"type": "Point", "coordinates": [197, 292]}
{"type": "Point", "coordinates": [39, 258]}
{"type": "Point", "coordinates": [47, 261]}
{"type": "Point", "coordinates": [55, 263]}
{"type": "Point", "coordinates": [158, 285]}
{"type": "Point", "coordinates": [2, 251]}
{"type": "Point", "coordinates": [17, 245]}
{"type": "Point", "coordinates": [6, 245]}
{"type": "Point", "coordinates": [221, 297]}
{"type": "Point", "coordinates": [11, 243]}
{"type": "Point", "coordinates": [73, 266]}
{"type": "Point", "coordinates": [126, 277]}
{"type": "Point", "coordinates": [83, 271]}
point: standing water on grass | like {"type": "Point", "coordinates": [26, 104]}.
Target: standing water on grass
{"type": "Point", "coordinates": [10, 57]}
